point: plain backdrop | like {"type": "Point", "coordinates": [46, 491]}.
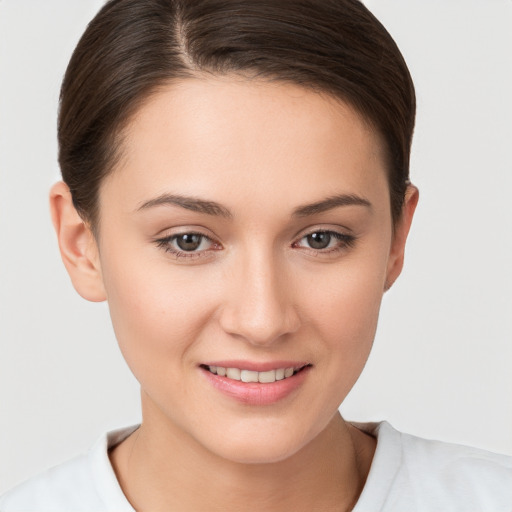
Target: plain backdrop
{"type": "Point", "coordinates": [441, 365]}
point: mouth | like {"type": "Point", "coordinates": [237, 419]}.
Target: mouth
{"type": "Point", "coordinates": [264, 377]}
{"type": "Point", "coordinates": [256, 384]}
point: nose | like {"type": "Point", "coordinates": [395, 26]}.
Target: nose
{"type": "Point", "coordinates": [260, 307]}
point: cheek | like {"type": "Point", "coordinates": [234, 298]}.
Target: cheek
{"type": "Point", "coordinates": [155, 310]}
{"type": "Point", "coordinates": [349, 294]}
{"type": "Point", "coordinates": [344, 307]}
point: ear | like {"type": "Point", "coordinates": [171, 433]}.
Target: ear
{"type": "Point", "coordinates": [77, 244]}
{"type": "Point", "coordinates": [396, 255]}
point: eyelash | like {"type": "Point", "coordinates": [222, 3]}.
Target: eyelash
{"type": "Point", "coordinates": [165, 243]}
{"type": "Point", "coordinates": [345, 241]}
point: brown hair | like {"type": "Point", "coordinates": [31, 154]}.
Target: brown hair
{"type": "Point", "coordinates": [132, 47]}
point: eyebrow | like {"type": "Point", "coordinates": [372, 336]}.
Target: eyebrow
{"type": "Point", "coordinates": [212, 208]}
{"type": "Point", "coordinates": [330, 203]}
{"type": "Point", "coordinates": [189, 203]}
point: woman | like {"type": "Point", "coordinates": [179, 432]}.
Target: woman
{"type": "Point", "coordinates": [239, 194]}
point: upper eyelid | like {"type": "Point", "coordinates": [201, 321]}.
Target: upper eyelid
{"type": "Point", "coordinates": [338, 235]}
{"type": "Point", "coordinates": [184, 230]}
{"type": "Point", "coordinates": [341, 230]}
{"type": "Point", "coordinates": [174, 236]}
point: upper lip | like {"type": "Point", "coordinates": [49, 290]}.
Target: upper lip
{"type": "Point", "coordinates": [257, 366]}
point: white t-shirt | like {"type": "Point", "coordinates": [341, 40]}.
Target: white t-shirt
{"type": "Point", "coordinates": [408, 474]}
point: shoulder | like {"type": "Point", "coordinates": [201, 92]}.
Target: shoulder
{"type": "Point", "coordinates": [455, 462]}
{"type": "Point", "coordinates": [67, 485]}
{"type": "Point", "coordinates": [470, 475]}
{"type": "Point", "coordinates": [84, 483]}
{"type": "Point", "coordinates": [411, 473]}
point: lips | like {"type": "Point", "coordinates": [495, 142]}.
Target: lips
{"type": "Point", "coordinates": [254, 383]}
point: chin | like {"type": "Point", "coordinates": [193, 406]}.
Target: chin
{"type": "Point", "coordinates": [260, 445]}
{"type": "Point", "coordinates": [258, 453]}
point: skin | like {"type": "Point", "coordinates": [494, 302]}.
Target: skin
{"type": "Point", "coordinates": [256, 292]}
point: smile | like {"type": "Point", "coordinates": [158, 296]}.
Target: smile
{"type": "Point", "coordinates": [266, 377]}
{"type": "Point", "coordinates": [256, 384]}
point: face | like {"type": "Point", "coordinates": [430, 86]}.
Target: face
{"type": "Point", "coordinates": [247, 228]}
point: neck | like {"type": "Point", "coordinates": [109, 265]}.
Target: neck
{"type": "Point", "coordinates": [162, 470]}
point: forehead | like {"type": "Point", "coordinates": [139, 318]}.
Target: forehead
{"type": "Point", "coordinates": [236, 138]}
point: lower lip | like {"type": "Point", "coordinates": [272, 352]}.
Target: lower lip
{"type": "Point", "coordinates": [254, 393]}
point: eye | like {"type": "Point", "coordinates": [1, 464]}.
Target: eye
{"type": "Point", "coordinates": [325, 241]}
{"type": "Point", "coordinates": [187, 244]}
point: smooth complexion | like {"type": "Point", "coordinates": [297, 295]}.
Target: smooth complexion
{"type": "Point", "coordinates": [247, 224]}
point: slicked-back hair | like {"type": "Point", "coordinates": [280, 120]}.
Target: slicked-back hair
{"type": "Point", "coordinates": [134, 47]}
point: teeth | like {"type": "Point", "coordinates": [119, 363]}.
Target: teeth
{"type": "Point", "coordinates": [264, 377]}
{"type": "Point", "coordinates": [248, 376]}
{"type": "Point", "coordinates": [252, 376]}
{"type": "Point", "coordinates": [233, 373]}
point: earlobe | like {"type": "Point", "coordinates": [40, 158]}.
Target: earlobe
{"type": "Point", "coordinates": [77, 245]}
{"type": "Point", "coordinates": [396, 256]}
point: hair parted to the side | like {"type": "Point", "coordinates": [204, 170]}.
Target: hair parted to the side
{"type": "Point", "coordinates": [132, 47]}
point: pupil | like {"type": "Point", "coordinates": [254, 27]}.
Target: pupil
{"type": "Point", "coordinates": [319, 240]}
{"type": "Point", "coordinates": [189, 242]}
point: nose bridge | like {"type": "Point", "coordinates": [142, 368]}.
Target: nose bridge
{"type": "Point", "coordinates": [260, 308]}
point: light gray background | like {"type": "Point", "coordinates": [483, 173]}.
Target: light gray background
{"type": "Point", "coordinates": [441, 366]}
